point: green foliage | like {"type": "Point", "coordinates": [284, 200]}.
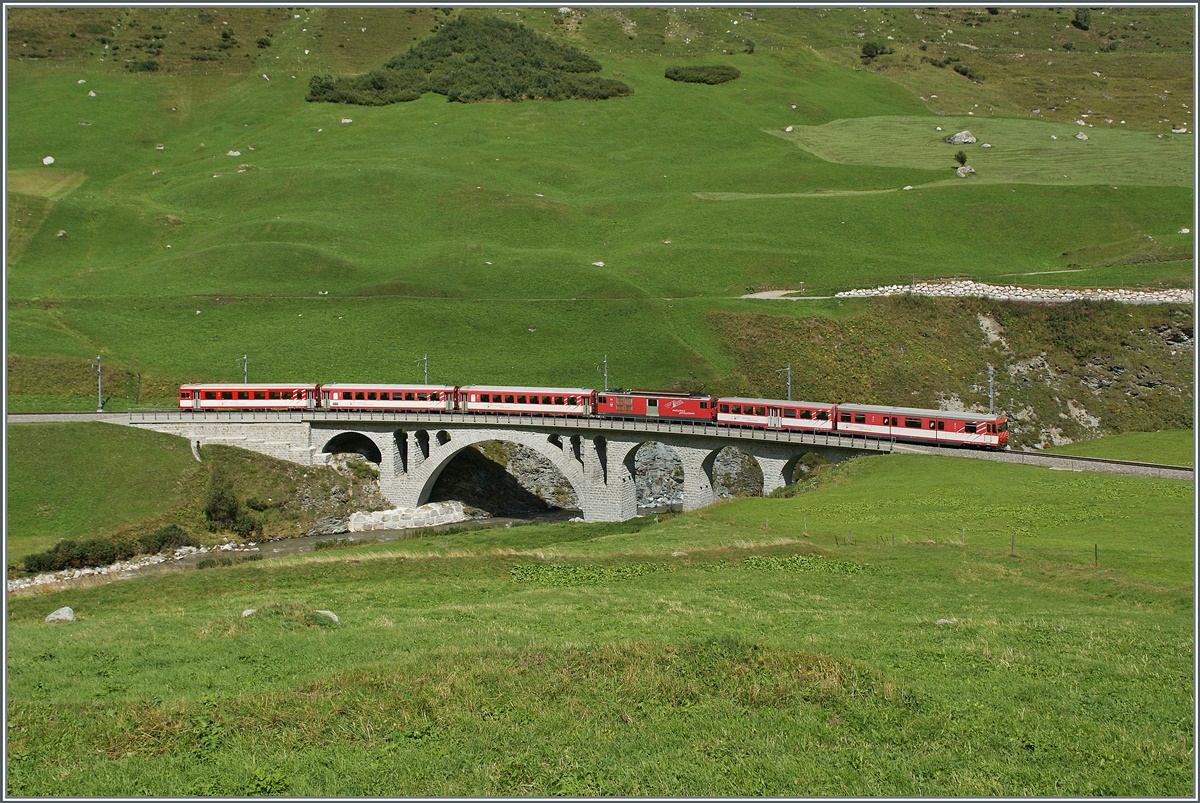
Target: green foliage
{"type": "Point", "coordinates": [961, 157]}
{"type": "Point", "coordinates": [166, 539]}
{"type": "Point", "coordinates": [475, 58]}
{"type": "Point", "coordinates": [88, 553]}
{"type": "Point", "coordinates": [221, 507]}
{"type": "Point", "coordinates": [703, 74]}
{"type": "Point", "coordinates": [872, 50]}
{"type": "Point", "coordinates": [566, 574]}
{"type": "Point", "coordinates": [1083, 19]}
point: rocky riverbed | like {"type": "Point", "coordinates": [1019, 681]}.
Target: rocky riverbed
{"type": "Point", "coordinates": [1009, 292]}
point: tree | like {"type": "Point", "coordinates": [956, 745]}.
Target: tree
{"type": "Point", "coordinates": [221, 508]}
{"type": "Point", "coordinates": [961, 157]}
{"type": "Point", "coordinates": [1083, 19]}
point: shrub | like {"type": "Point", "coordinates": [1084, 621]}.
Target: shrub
{"type": "Point", "coordinates": [1083, 19]}
{"type": "Point", "coordinates": [871, 50]}
{"type": "Point", "coordinates": [703, 74]}
{"type": "Point", "coordinates": [961, 157]}
{"type": "Point", "coordinates": [166, 538]}
{"type": "Point", "coordinates": [220, 504]}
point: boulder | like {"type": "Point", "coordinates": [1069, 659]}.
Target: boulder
{"type": "Point", "coordinates": [1081, 135]}
{"type": "Point", "coordinates": [64, 614]}
{"type": "Point", "coordinates": [330, 614]}
{"type": "Point", "coordinates": [961, 138]}
{"type": "Point", "coordinates": [964, 171]}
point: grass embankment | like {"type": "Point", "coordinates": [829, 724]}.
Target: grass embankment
{"type": "Point", "coordinates": [1173, 448]}
{"type": "Point", "coordinates": [80, 481]}
{"type": "Point", "coordinates": [588, 659]}
{"type": "Point", "coordinates": [448, 228]}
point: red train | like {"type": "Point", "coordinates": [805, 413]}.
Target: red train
{"type": "Point", "coordinates": [899, 423]}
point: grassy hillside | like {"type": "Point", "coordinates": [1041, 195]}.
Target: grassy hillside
{"type": "Point", "coordinates": [472, 232]}
{"type": "Point", "coordinates": [86, 480]}
{"type": "Point", "coordinates": [597, 659]}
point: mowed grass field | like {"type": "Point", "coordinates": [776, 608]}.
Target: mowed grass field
{"type": "Point", "coordinates": [793, 649]}
{"type": "Point", "coordinates": [429, 222]}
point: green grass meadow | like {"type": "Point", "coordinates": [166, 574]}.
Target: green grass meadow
{"type": "Point", "coordinates": [430, 221]}
{"type": "Point", "coordinates": [893, 626]}
{"type": "Point", "coordinates": [593, 660]}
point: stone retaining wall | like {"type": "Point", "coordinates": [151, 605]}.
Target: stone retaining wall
{"type": "Point", "coordinates": [403, 518]}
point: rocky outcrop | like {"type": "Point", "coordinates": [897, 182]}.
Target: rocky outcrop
{"type": "Point", "coordinates": [961, 138]}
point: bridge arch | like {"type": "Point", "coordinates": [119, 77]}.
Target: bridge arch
{"type": "Point", "coordinates": [355, 443]}
{"type": "Point", "coordinates": [449, 443]}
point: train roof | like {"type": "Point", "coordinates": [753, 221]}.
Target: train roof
{"type": "Point", "coordinates": [250, 386]}
{"type": "Point", "coordinates": [957, 415]}
{"type": "Point", "coordinates": [677, 394]}
{"type": "Point", "coordinates": [356, 386]}
{"type": "Point", "coordinates": [529, 391]}
{"type": "Point", "coordinates": [779, 402]}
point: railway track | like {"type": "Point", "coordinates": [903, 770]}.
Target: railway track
{"type": "Point", "coordinates": [1064, 462]}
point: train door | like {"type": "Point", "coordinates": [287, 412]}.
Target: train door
{"type": "Point", "coordinates": [651, 406]}
{"type": "Point", "coordinates": [196, 400]}
{"type": "Point", "coordinates": [774, 418]}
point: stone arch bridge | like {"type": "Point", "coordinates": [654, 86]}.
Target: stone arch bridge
{"type": "Point", "coordinates": [594, 455]}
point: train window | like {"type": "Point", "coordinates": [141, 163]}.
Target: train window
{"type": "Point", "coordinates": [822, 415]}
{"type": "Point", "coordinates": [1001, 426]}
{"type": "Point", "coordinates": [932, 424]}
{"type": "Point", "coordinates": [736, 409]}
{"type": "Point", "coordinates": [725, 408]}
{"type": "Point", "coordinates": [274, 394]}
{"type": "Point", "coordinates": [806, 415]}
{"type": "Point", "coordinates": [941, 425]}
{"type": "Point", "coordinates": [508, 399]}
{"type": "Point", "coordinates": [789, 413]}
{"type": "Point", "coordinates": [572, 400]}
{"type": "Point", "coordinates": [860, 418]}
{"type": "Point", "coordinates": [969, 428]}
{"type": "Point", "coordinates": [559, 400]}
{"type": "Point", "coordinates": [760, 410]}
{"type": "Point", "coordinates": [409, 397]}
{"type": "Point", "coordinates": [243, 395]}
{"type": "Point", "coordinates": [547, 400]}
{"type": "Point", "coordinates": [226, 394]}
{"type": "Point", "coordinates": [599, 400]}
{"type": "Point", "coordinates": [703, 405]}
{"type": "Point", "coordinates": [397, 396]}
{"type": "Point", "coordinates": [436, 397]}
{"type": "Point", "coordinates": [258, 394]}
{"type": "Point", "coordinates": [845, 417]}
{"type": "Point", "coordinates": [208, 394]}
{"type": "Point", "coordinates": [520, 400]}
{"type": "Point", "coordinates": [912, 423]}
{"type": "Point", "coordinates": [185, 394]}
{"type": "Point", "coordinates": [422, 397]}
{"type": "Point", "coordinates": [371, 396]}
{"type": "Point", "coordinates": [991, 428]}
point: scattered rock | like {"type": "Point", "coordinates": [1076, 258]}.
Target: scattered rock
{"type": "Point", "coordinates": [961, 138]}
{"type": "Point", "coordinates": [788, 129]}
{"type": "Point", "coordinates": [49, 160]}
{"type": "Point", "coordinates": [248, 612]}
{"type": "Point", "coordinates": [60, 233]}
{"type": "Point", "coordinates": [330, 614]}
{"type": "Point", "coordinates": [233, 153]}
{"type": "Point", "coordinates": [1081, 136]}
{"type": "Point", "coordinates": [964, 171]}
{"type": "Point", "coordinates": [64, 614]}
{"type": "Point", "coordinates": [598, 264]}
{"type": "Point", "coordinates": [946, 622]}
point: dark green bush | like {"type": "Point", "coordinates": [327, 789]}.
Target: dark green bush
{"type": "Point", "coordinates": [472, 59]}
{"type": "Point", "coordinates": [703, 74]}
{"type": "Point", "coordinates": [221, 507]}
{"type": "Point", "coordinates": [165, 539]}
{"type": "Point", "coordinates": [871, 50]}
